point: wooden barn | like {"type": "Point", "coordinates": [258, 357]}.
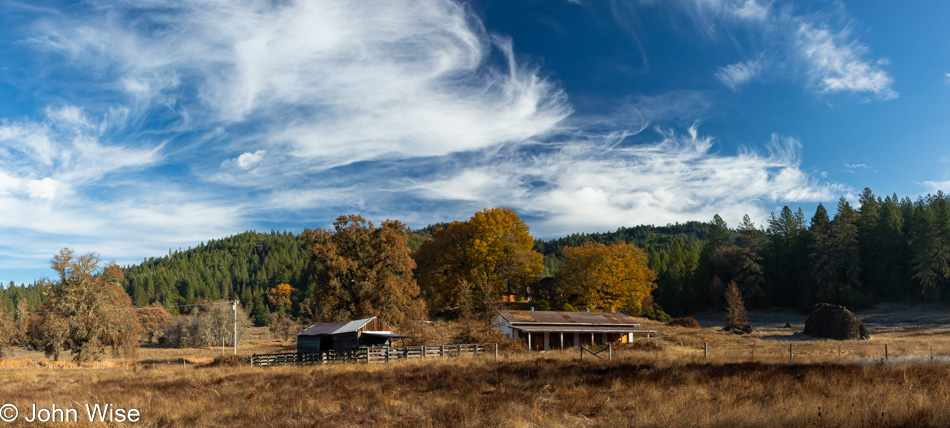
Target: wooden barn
{"type": "Point", "coordinates": [339, 336]}
{"type": "Point", "coordinates": [558, 330]}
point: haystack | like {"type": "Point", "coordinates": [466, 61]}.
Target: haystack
{"type": "Point", "coordinates": [835, 322]}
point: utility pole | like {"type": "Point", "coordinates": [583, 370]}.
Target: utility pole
{"type": "Point", "coordinates": [234, 304]}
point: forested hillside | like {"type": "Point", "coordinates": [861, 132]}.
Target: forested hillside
{"type": "Point", "coordinates": [242, 266]}
{"type": "Point", "coordinates": [887, 249]}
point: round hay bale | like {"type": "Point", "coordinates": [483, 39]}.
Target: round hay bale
{"type": "Point", "coordinates": [835, 322]}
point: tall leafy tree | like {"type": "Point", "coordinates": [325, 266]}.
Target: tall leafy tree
{"type": "Point", "coordinates": [785, 256]}
{"type": "Point", "coordinates": [607, 277]}
{"type": "Point", "coordinates": [360, 270]}
{"type": "Point", "coordinates": [846, 253]}
{"type": "Point", "coordinates": [931, 259]}
{"type": "Point", "coordinates": [748, 260]}
{"type": "Point", "coordinates": [891, 263]}
{"type": "Point", "coordinates": [820, 255]}
{"type": "Point", "coordinates": [87, 311]}
{"type": "Point", "coordinates": [871, 242]}
{"type": "Point", "coordinates": [468, 265]}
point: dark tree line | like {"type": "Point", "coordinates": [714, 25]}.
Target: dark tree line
{"type": "Point", "coordinates": [242, 267]}
{"type": "Point", "coordinates": [882, 249]}
{"type": "Point", "coordinates": [887, 249]}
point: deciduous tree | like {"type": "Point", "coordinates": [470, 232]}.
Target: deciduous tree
{"type": "Point", "coordinates": [153, 319]}
{"type": "Point", "coordinates": [607, 277]}
{"type": "Point", "coordinates": [471, 263]}
{"type": "Point", "coordinates": [736, 316]}
{"type": "Point", "coordinates": [360, 270]}
{"type": "Point", "coordinates": [87, 311]}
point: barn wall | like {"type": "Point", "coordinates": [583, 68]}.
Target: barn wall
{"type": "Point", "coordinates": [308, 344]}
{"type": "Point", "coordinates": [345, 341]}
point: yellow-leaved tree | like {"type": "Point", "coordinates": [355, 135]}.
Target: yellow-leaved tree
{"type": "Point", "coordinates": [606, 277]}
{"type": "Point", "coordinates": [467, 265]}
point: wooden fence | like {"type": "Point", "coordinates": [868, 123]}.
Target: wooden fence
{"type": "Point", "coordinates": [373, 354]}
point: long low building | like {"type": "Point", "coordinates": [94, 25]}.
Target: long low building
{"type": "Point", "coordinates": [558, 330]}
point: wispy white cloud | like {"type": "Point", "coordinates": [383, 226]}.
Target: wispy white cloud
{"type": "Point", "coordinates": [830, 56]}
{"type": "Point", "coordinates": [63, 182]}
{"type": "Point", "coordinates": [62, 152]}
{"type": "Point", "coordinates": [751, 10]}
{"type": "Point", "coordinates": [935, 186]}
{"type": "Point", "coordinates": [736, 75]}
{"type": "Point", "coordinates": [408, 109]}
{"type": "Point", "coordinates": [334, 82]}
{"type": "Point", "coordinates": [837, 62]}
{"type": "Point", "coordinates": [589, 186]}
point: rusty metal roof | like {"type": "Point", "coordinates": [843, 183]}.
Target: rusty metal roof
{"type": "Point", "coordinates": [524, 318]}
{"type": "Point", "coordinates": [328, 328]}
{"type": "Point", "coordinates": [580, 329]}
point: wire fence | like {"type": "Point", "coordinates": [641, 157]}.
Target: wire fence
{"type": "Point", "coordinates": [818, 351]}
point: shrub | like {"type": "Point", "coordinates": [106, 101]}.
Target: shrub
{"type": "Point", "coordinates": [472, 330]}
{"type": "Point", "coordinates": [687, 322]}
{"type": "Point", "coordinates": [656, 313]}
{"type": "Point", "coordinates": [227, 361]}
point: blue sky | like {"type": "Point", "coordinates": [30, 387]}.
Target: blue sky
{"type": "Point", "coordinates": [133, 127]}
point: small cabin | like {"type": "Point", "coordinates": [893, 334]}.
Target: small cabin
{"type": "Point", "coordinates": [558, 329]}
{"type": "Point", "coordinates": [339, 336]}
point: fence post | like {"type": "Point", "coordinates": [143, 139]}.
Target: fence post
{"type": "Point", "coordinates": [441, 351]}
{"type": "Point", "coordinates": [791, 354]}
{"type": "Point", "coordinates": [706, 352]}
{"type": "Point", "coordinates": [496, 352]}
{"type": "Point", "coordinates": [387, 354]}
{"type": "Point", "coordinates": [610, 352]}
{"type": "Point", "coordinates": [931, 352]}
{"type": "Point", "coordinates": [582, 352]}
{"type": "Point", "coordinates": [885, 352]}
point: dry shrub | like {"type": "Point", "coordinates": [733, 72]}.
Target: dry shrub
{"type": "Point", "coordinates": [227, 361]}
{"type": "Point", "coordinates": [687, 322]}
{"type": "Point", "coordinates": [472, 330]}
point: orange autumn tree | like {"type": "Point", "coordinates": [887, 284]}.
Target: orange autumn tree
{"type": "Point", "coordinates": [466, 266]}
{"type": "Point", "coordinates": [279, 296]}
{"type": "Point", "coordinates": [607, 277]}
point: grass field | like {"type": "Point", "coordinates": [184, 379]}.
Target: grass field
{"type": "Point", "coordinates": [668, 383]}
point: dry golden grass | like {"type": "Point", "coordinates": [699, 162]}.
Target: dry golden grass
{"type": "Point", "coordinates": [553, 389]}
{"type": "Point", "coordinates": [670, 386]}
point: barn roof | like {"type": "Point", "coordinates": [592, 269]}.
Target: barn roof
{"type": "Point", "coordinates": [329, 328]}
{"type": "Point", "coordinates": [552, 318]}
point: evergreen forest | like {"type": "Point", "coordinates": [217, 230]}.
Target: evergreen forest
{"type": "Point", "coordinates": [881, 249]}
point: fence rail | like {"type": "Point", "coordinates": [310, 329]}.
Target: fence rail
{"type": "Point", "coordinates": [372, 354]}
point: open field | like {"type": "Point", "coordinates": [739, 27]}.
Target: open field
{"type": "Point", "coordinates": [528, 390]}
{"type": "Point", "coordinates": [667, 380]}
